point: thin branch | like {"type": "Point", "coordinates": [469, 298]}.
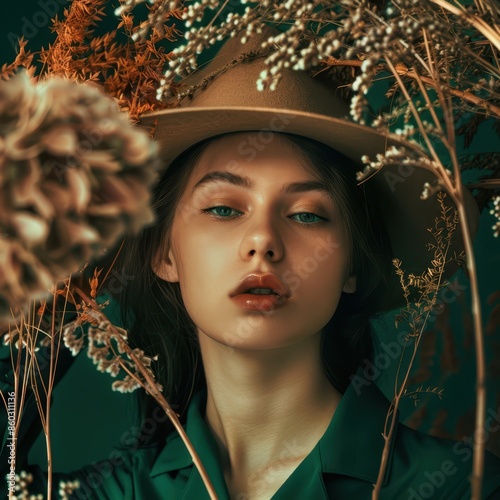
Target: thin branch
{"type": "Point", "coordinates": [485, 184]}
{"type": "Point", "coordinates": [151, 387]}
{"type": "Point", "coordinates": [478, 458]}
{"type": "Point", "coordinates": [50, 384]}
{"type": "Point", "coordinates": [409, 73]}
{"type": "Point", "coordinates": [494, 70]}
{"type": "Point", "coordinates": [416, 116]}
{"type": "Point", "coordinates": [458, 196]}
{"type": "Point", "coordinates": [430, 107]}
{"type": "Point", "coordinates": [397, 398]}
{"type": "Point", "coordinates": [475, 21]}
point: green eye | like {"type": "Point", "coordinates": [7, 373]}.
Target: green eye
{"type": "Point", "coordinates": [221, 212]}
{"type": "Point", "coordinates": [308, 218]}
{"type": "Point", "coordinates": [225, 212]}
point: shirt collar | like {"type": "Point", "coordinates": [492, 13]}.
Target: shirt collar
{"type": "Point", "coordinates": [352, 444]}
{"type": "Point", "coordinates": [175, 455]}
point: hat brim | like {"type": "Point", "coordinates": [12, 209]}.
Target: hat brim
{"type": "Point", "coordinates": [179, 128]}
{"type": "Point", "coordinates": [396, 190]}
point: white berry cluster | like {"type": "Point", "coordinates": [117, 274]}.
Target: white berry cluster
{"type": "Point", "coordinates": [495, 211]}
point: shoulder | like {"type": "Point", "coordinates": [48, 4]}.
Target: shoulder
{"type": "Point", "coordinates": [419, 466]}
{"type": "Point", "coordinates": [119, 473]}
{"type": "Point", "coordinates": [425, 466]}
{"type": "Point", "coordinates": [122, 474]}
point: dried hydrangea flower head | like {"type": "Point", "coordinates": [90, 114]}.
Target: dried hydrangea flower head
{"type": "Point", "coordinates": [74, 176]}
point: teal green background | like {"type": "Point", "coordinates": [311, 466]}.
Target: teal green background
{"type": "Point", "coordinates": [88, 418]}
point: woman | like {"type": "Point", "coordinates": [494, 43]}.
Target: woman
{"type": "Point", "coordinates": [261, 273]}
{"type": "Point", "coordinates": [255, 288]}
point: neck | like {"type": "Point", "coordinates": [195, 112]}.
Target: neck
{"type": "Point", "coordinates": [266, 406]}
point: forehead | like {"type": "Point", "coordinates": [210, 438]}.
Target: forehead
{"type": "Point", "coordinates": [237, 153]}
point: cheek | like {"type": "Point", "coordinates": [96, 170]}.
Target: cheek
{"type": "Point", "coordinates": [319, 283]}
{"type": "Point", "coordinates": [324, 263]}
{"type": "Point", "coordinates": [200, 262]}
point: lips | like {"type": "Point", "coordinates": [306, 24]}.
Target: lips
{"type": "Point", "coordinates": [261, 281]}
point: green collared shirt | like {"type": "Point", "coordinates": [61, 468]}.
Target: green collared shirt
{"type": "Point", "coordinates": [343, 465]}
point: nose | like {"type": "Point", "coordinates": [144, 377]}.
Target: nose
{"type": "Point", "coordinates": [262, 240]}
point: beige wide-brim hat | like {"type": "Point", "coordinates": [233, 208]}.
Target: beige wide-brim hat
{"type": "Point", "coordinates": [301, 105]}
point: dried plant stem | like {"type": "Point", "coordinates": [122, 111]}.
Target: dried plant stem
{"type": "Point", "coordinates": [478, 458]}
{"type": "Point", "coordinates": [485, 184]}
{"type": "Point", "coordinates": [217, 14]}
{"type": "Point", "coordinates": [430, 107]}
{"type": "Point", "coordinates": [388, 435]}
{"type": "Point", "coordinates": [16, 411]}
{"type": "Point", "coordinates": [150, 386]}
{"type": "Point", "coordinates": [409, 73]}
{"type": "Point", "coordinates": [397, 399]}
{"type": "Point", "coordinates": [455, 189]}
{"type": "Point", "coordinates": [462, 94]}
{"type": "Point", "coordinates": [155, 393]}
{"type": "Point", "coordinates": [19, 385]}
{"type": "Point", "coordinates": [477, 22]}
{"type": "Point", "coordinates": [401, 41]}
{"type": "Point", "coordinates": [435, 78]}
{"type": "Point", "coordinates": [458, 198]}
{"type": "Point", "coordinates": [494, 70]}
{"type": "Point", "coordinates": [46, 429]}
{"type": "Point", "coordinates": [416, 116]}
{"type": "Point", "coordinates": [54, 352]}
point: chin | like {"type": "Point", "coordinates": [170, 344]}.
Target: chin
{"type": "Point", "coordinates": [258, 341]}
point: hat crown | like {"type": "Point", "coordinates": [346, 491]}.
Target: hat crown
{"type": "Point", "coordinates": [232, 76]}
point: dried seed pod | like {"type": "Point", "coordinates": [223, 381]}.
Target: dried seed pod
{"type": "Point", "coordinates": [75, 175]}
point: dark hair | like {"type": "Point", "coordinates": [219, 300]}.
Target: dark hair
{"type": "Point", "coordinates": [161, 325]}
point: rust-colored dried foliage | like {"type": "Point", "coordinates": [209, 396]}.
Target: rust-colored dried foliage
{"type": "Point", "coordinates": [24, 59]}
{"type": "Point", "coordinates": [127, 70]}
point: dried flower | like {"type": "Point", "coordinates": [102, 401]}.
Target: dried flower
{"type": "Point", "coordinates": [400, 157]}
{"type": "Point", "coordinates": [74, 176]}
{"type": "Point", "coordinates": [23, 481]}
{"type": "Point", "coordinates": [420, 291]}
{"type": "Point", "coordinates": [108, 350]}
{"type": "Point", "coordinates": [127, 384]}
{"type": "Point", "coordinates": [71, 340]}
{"type": "Point", "coordinates": [67, 488]}
{"type": "Point", "coordinates": [495, 211]}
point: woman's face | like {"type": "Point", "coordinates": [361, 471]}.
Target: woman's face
{"type": "Point", "coordinates": [258, 214]}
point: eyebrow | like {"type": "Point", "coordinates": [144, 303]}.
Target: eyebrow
{"type": "Point", "coordinates": [246, 182]}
